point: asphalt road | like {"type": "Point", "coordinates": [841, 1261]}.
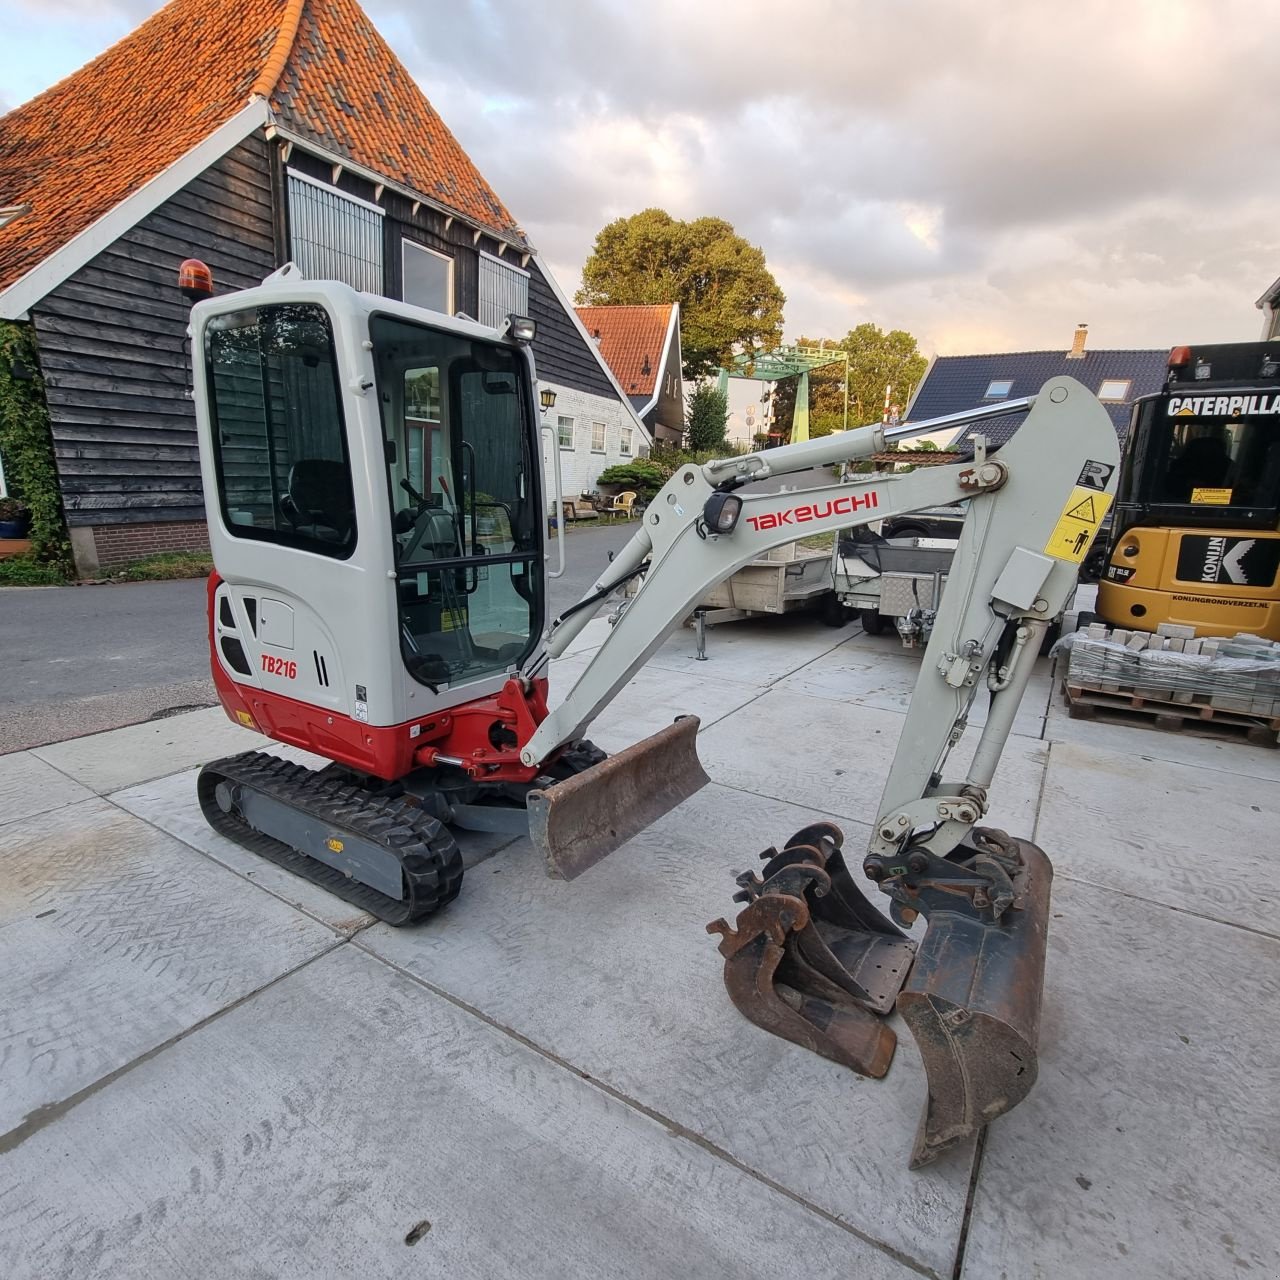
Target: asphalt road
{"type": "Point", "coordinates": [78, 660]}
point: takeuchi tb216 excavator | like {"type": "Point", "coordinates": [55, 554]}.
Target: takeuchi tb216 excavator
{"type": "Point", "coordinates": [373, 479]}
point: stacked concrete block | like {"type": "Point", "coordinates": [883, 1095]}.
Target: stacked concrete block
{"type": "Point", "coordinates": [1240, 675]}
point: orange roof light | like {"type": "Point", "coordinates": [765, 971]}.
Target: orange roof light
{"type": "Point", "coordinates": [1179, 356]}
{"type": "Point", "coordinates": [195, 280]}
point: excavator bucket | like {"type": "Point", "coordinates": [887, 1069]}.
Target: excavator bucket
{"type": "Point", "coordinates": [972, 1003]}
{"type": "Point", "coordinates": [810, 959]}
{"type": "Point", "coordinates": [577, 822]}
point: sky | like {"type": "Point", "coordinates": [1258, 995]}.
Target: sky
{"type": "Point", "coordinates": [984, 175]}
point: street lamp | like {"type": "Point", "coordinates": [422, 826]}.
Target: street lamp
{"type": "Point", "coordinates": [548, 398]}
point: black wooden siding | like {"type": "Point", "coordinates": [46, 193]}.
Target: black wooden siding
{"type": "Point", "coordinates": [113, 346]}
{"type": "Point", "coordinates": [559, 350]}
{"type": "Point", "coordinates": [426, 227]}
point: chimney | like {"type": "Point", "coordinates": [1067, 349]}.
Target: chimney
{"type": "Point", "coordinates": [1077, 342]}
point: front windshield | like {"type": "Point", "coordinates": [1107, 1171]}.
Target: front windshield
{"type": "Point", "coordinates": [1205, 462]}
{"type": "Point", "coordinates": [464, 500]}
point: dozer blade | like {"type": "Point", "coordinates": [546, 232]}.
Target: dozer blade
{"type": "Point", "coordinates": [577, 822]}
{"type": "Point", "coordinates": [972, 1003]}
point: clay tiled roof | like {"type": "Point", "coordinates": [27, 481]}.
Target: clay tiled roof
{"type": "Point", "coordinates": [632, 341]}
{"type": "Point", "coordinates": [77, 150]}
{"type": "Point", "coordinates": [343, 88]}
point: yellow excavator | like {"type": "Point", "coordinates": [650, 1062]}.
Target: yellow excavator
{"type": "Point", "coordinates": [373, 483]}
{"type": "Point", "coordinates": [1196, 533]}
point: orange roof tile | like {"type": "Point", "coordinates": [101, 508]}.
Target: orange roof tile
{"type": "Point", "coordinates": [77, 150]}
{"type": "Point", "coordinates": [632, 341]}
{"type": "Point", "coordinates": [343, 88]}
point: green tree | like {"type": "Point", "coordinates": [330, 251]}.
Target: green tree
{"type": "Point", "coordinates": [876, 360]}
{"type": "Point", "coordinates": [707, 418]}
{"type": "Point", "coordinates": [728, 297]}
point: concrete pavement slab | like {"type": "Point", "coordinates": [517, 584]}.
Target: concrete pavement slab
{"type": "Point", "coordinates": [758, 650]}
{"type": "Point", "coordinates": [348, 1122]}
{"type": "Point", "coordinates": [875, 678]}
{"type": "Point", "coordinates": [1189, 838]}
{"type": "Point", "coordinates": [835, 756]}
{"type": "Point", "coordinates": [29, 786]}
{"type": "Point", "coordinates": [1158, 744]}
{"type": "Point", "coordinates": [615, 974]}
{"type": "Point", "coordinates": [652, 700]}
{"type": "Point", "coordinates": [116, 939]}
{"type": "Point", "coordinates": [1150, 1147]}
{"type": "Point", "coordinates": [108, 762]}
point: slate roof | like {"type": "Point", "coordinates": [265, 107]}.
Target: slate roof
{"type": "Point", "coordinates": [77, 150]}
{"type": "Point", "coordinates": [955, 383]}
{"type": "Point", "coordinates": [632, 341]}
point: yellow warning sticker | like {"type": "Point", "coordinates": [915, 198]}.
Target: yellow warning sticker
{"type": "Point", "coordinates": [1212, 497]}
{"type": "Point", "coordinates": [246, 719]}
{"type": "Point", "coordinates": [1073, 535]}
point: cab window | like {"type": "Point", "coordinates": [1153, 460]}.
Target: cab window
{"type": "Point", "coordinates": [279, 443]}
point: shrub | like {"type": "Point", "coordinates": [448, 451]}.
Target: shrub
{"type": "Point", "coordinates": [27, 444]}
{"type": "Point", "coordinates": [645, 476]}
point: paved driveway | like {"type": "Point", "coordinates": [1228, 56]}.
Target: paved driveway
{"type": "Point", "coordinates": [208, 1068]}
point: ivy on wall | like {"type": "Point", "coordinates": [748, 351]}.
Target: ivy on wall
{"type": "Point", "coordinates": [26, 444]}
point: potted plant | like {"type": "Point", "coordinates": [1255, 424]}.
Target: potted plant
{"type": "Point", "coordinates": [15, 518]}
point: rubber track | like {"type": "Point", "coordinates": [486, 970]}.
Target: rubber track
{"type": "Point", "coordinates": [401, 829]}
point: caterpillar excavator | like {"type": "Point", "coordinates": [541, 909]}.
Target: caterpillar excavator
{"type": "Point", "coordinates": [373, 481]}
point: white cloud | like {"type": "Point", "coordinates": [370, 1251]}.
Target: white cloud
{"type": "Point", "coordinates": [984, 176]}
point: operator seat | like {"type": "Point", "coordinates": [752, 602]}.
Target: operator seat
{"type": "Point", "coordinates": [318, 502]}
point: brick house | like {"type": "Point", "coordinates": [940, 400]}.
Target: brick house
{"type": "Point", "coordinates": [247, 133]}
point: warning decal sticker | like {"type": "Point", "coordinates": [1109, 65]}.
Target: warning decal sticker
{"type": "Point", "coordinates": [1073, 535]}
{"type": "Point", "coordinates": [1213, 497]}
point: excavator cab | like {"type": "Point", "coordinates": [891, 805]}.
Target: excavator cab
{"type": "Point", "coordinates": [1196, 536]}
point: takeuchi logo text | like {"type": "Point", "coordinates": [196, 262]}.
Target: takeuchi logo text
{"type": "Point", "coordinates": [807, 511]}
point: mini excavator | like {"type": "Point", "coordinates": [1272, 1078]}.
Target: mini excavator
{"type": "Point", "coordinates": [373, 478]}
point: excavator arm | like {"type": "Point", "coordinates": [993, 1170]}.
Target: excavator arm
{"type": "Point", "coordinates": [1013, 572]}
{"type": "Point", "coordinates": [809, 957]}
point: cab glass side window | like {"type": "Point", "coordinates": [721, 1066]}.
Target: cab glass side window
{"type": "Point", "coordinates": [279, 443]}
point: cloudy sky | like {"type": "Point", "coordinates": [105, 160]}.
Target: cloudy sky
{"type": "Point", "coordinates": [982, 174]}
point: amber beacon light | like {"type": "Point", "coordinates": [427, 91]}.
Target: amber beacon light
{"type": "Point", "coordinates": [195, 280]}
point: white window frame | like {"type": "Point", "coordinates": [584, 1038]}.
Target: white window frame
{"type": "Point", "coordinates": [562, 421]}
{"type": "Point", "coordinates": [407, 243]}
{"type": "Point", "coordinates": [992, 394]}
{"type": "Point", "coordinates": [603, 428]}
{"type": "Point", "coordinates": [480, 303]}
{"type": "Point", "coordinates": [624, 441]}
{"type": "Point", "coordinates": [1124, 383]}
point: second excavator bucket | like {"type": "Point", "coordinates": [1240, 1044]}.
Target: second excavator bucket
{"type": "Point", "coordinates": [810, 959]}
{"type": "Point", "coordinates": [972, 1003]}
{"type": "Point", "coordinates": [577, 822]}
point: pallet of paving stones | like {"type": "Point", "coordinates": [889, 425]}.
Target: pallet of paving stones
{"type": "Point", "coordinates": [1172, 680]}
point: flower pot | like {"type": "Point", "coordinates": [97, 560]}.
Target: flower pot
{"type": "Point", "coordinates": [15, 528]}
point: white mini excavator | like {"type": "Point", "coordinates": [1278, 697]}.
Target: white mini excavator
{"type": "Point", "coordinates": [373, 480]}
